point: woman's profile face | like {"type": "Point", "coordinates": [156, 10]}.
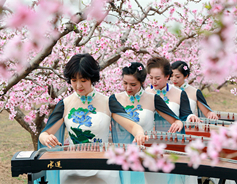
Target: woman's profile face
{"type": "Point", "coordinates": [157, 79]}
{"type": "Point", "coordinates": [131, 84]}
{"type": "Point", "coordinates": [177, 78]}
{"type": "Point", "coordinates": [81, 85]}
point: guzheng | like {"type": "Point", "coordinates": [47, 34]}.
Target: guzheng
{"type": "Point", "coordinates": [204, 128]}
{"type": "Point", "coordinates": [91, 156]}
{"type": "Point", "coordinates": [192, 128]}
{"type": "Point", "coordinates": [228, 116]}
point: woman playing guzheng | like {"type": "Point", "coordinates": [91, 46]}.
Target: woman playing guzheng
{"type": "Point", "coordinates": [159, 70]}
{"type": "Point", "coordinates": [87, 115]}
{"type": "Point", "coordinates": [140, 105]}
{"type": "Point", "coordinates": [180, 72]}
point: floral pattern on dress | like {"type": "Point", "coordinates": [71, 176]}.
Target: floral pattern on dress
{"type": "Point", "coordinates": [132, 113]}
{"type": "Point", "coordinates": [81, 136]}
{"type": "Point", "coordinates": [80, 117]}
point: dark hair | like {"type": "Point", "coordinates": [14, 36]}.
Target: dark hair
{"type": "Point", "coordinates": [84, 65]}
{"type": "Point", "coordinates": [133, 69]}
{"type": "Point", "coordinates": [179, 65]}
{"type": "Point", "coordinates": [159, 62]}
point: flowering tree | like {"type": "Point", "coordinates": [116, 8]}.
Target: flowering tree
{"type": "Point", "coordinates": [38, 39]}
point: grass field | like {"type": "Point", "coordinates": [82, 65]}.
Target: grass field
{"type": "Point", "coordinates": [14, 138]}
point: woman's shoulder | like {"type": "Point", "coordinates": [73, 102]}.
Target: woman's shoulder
{"type": "Point", "coordinates": [149, 90]}
{"type": "Point", "coordinates": [69, 98]}
{"type": "Point", "coordinates": [148, 94]}
{"type": "Point", "coordinates": [191, 88]}
{"type": "Point", "coordinates": [102, 97]}
{"type": "Point", "coordinates": [175, 89]}
{"type": "Point", "coordinates": [120, 95]}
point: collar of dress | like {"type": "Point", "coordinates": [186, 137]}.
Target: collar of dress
{"type": "Point", "coordinates": [137, 96]}
{"type": "Point", "coordinates": [88, 97]}
{"type": "Point", "coordinates": [184, 86]}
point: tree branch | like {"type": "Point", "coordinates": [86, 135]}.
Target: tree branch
{"type": "Point", "coordinates": [115, 57]}
{"type": "Point", "coordinates": [221, 85]}
{"type": "Point", "coordinates": [34, 63]}
{"type": "Point", "coordinates": [52, 69]}
{"type": "Point", "coordinates": [89, 35]}
{"type": "Point", "coordinates": [181, 40]}
{"type": "Point", "coordinates": [20, 119]}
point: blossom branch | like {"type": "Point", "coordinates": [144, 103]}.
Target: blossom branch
{"type": "Point", "coordinates": [6, 100]}
{"type": "Point", "coordinates": [161, 12]}
{"type": "Point", "coordinates": [181, 40]}
{"type": "Point", "coordinates": [32, 80]}
{"type": "Point", "coordinates": [34, 63]}
{"type": "Point", "coordinates": [115, 57]}
{"type": "Point", "coordinates": [89, 35]}
{"type": "Point", "coordinates": [52, 69]}
{"type": "Point", "coordinates": [20, 119]}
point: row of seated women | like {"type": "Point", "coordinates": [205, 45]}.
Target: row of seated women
{"type": "Point", "coordinates": [87, 114]}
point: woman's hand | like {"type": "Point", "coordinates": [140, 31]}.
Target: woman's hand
{"type": "Point", "coordinates": [51, 140]}
{"type": "Point", "coordinates": [140, 139]}
{"type": "Point", "coordinates": [176, 126]}
{"type": "Point", "coordinates": [194, 118]}
{"type": "Point", "coordinates": [212, 115]}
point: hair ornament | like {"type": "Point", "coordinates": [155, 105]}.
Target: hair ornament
{"type": "Point", "coordinates": [129, 64]}
{"type": "Point", "coordinates": [139, 68]}
{"type": "Point", "coordinates": [185, 67]}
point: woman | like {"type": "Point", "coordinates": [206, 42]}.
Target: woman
{"type": "Point", "coordinates": [159, 70]}
{"type": "Point", "coordinates": [86, 114]}
{"type": "Point", "coordinates": [180, 72]}
{"type": "Point", "coordinates": [141, 105]}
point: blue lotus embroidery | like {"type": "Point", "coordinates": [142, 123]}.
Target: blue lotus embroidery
{"type": "Point", "coordinates": [80, 116]}
{"type": "Point", "coordinates": [132, 113]}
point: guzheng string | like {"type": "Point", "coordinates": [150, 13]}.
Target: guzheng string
{"type": "Point", "coordinates": [226, 115]}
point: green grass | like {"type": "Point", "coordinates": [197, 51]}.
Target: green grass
{"type": "Point", "coordinates": [224, 102]}
{"type": "Point", "coordinates": [206, 95]}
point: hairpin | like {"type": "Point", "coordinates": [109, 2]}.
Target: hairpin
{"type": "Point", "coordinates": [185, 67]}
{"type": "Point", "coordinates": [139, 68]}
{"type": "Point", "coordinates": [129, 64]}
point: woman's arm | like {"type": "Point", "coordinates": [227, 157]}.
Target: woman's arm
{"type": "Point", "coordinates": [202, 105]}
{"type": "Point", "coordinates": [120, 116]}
{"type": "Point", "coordinates": [53, 132]}
{"type": "Point", "coordinates": [132, 127]}
{"type": "Point", "coordinates": [207, 113]}
{"type": "Point", "coordinates": [167, 114]}
{"type": "Point", "coordinates": [185, 113]}
{"type": "Point", "coordinates": [47, 137]}
{"type": "Point", "coordinates": [176, 125]}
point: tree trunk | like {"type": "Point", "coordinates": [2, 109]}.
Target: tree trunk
{"type": "Point", "coordinates": [35, 138]}
{"type": "Point", "coordinates": [39, 122]}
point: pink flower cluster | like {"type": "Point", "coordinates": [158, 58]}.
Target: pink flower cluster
{"type": "Point", "coordinates": [218, 55]}
{"type": "Point", "coordinates": [225, 138]}
{"type": "Point", "coordinates": [153, 159]}
{"type": "Point", "coordinates": [133, 158]}
{"type": "Point", "coordinates": [194, 152]}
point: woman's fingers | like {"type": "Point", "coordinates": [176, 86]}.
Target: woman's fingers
{"type": "Point", "coordinates": [140, 139]}
{"type": "Point", "coordinates": [51, 140]}
{"type": "Point", "coordinates": [176, 127]}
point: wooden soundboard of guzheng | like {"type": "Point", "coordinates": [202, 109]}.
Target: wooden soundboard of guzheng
{"type": "Point", "coordinates": [204, 128]}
